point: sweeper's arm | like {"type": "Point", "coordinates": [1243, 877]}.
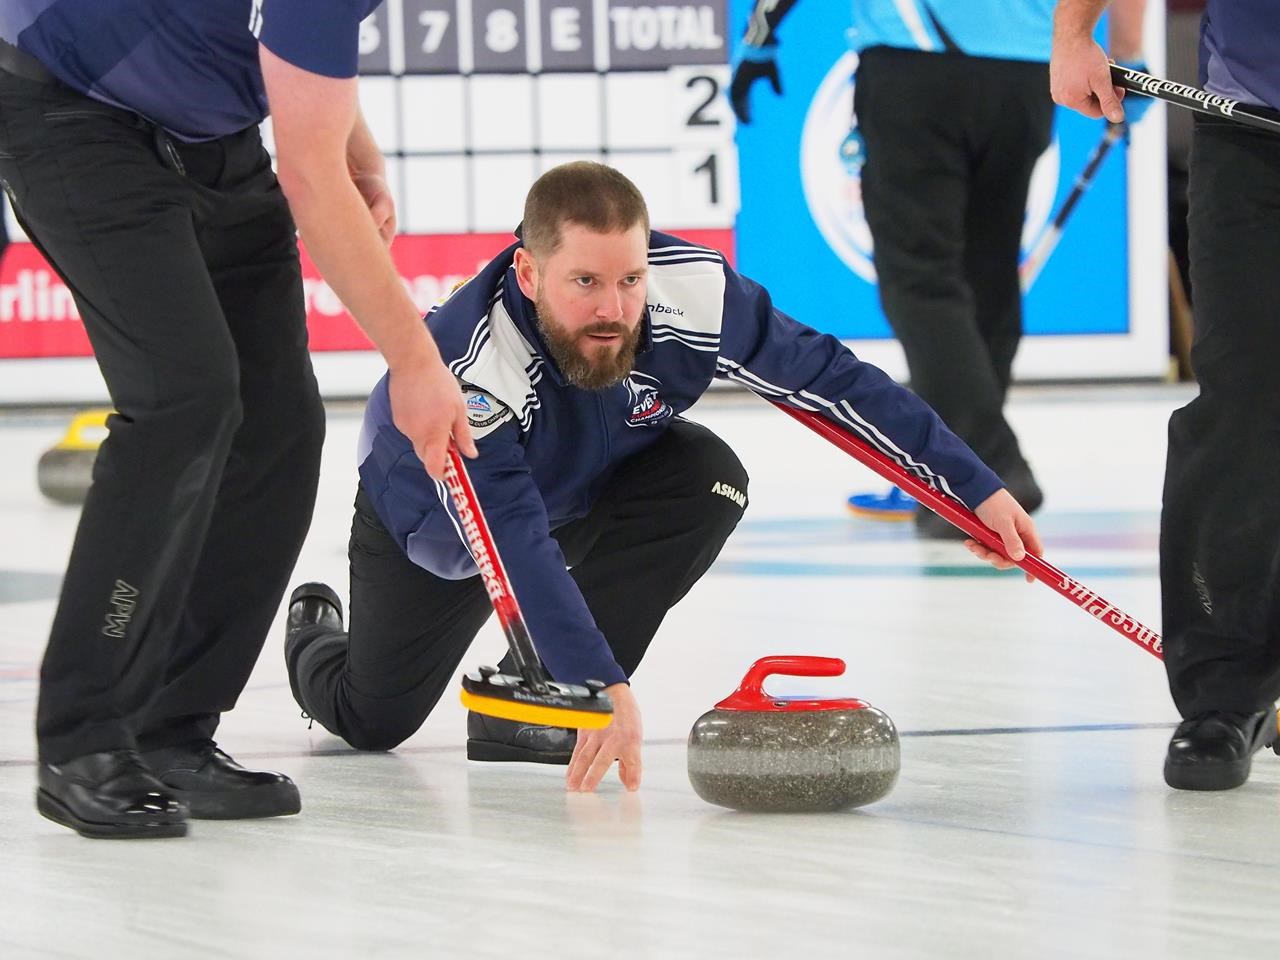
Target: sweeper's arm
{"type": "Point", "coordinates": [789, 363]}
{"type": "Point", "coordinates": [564, 632]}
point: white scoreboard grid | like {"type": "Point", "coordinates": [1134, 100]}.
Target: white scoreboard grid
{"type": "Point", "coordinates": [471, 100]}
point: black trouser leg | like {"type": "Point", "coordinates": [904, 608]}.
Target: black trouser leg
{"type": "Point", "coordinates": [654, 530]}
{"type": "Point", "coordinates": [407, 632]}
{"type": "Point", "coordinates": [1220, 528]}
{"type": "Point", "coordinates": [1001, 181]}
{"type": "Point", "coordinates": [131, 238]}
{"type": "Point", "coordinates": [117, 226]}
{"type": "Point", "coordinates": [931, 124]}
{"type": "Point", "coordinates": [264, 503]}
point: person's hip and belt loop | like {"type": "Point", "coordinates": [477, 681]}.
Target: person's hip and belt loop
{"type": "Point", "coordinates": [14, 61]}
{"type": "Point", "coordinates": [20, 64]}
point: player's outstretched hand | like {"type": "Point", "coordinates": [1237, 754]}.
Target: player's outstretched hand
{"type": "Point", "coordinates": [427, 407]}
{"type": "Point", "coordinates": [1003, 514]}
{"type": "Point", "coordinates": [754, 63]}
{"type": "Point", "coordinates": [597, 749]}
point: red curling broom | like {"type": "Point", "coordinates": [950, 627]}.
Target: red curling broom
{"type": "Point", "coordinates": [530, 696]}
{"type": "Point", "coordinates": [964, 518]}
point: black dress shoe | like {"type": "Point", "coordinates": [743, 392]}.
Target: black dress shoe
{"type": "Point", "coordinates": [109, 795]}
{"type": "Point", "coordinates": [495, 739]}
{"type": "Point", "coordinates": [1021, 484]}
{"type": "Point", "coordinates": [215, 787]}
{"type": "Point", "coordinates": [1214, 750]}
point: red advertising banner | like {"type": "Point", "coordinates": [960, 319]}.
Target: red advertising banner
{"type": "Point", "coordinates": [38, 317]}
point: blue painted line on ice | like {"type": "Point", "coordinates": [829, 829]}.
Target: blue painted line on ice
{"type": "Point", "coordinates": [782, 568]}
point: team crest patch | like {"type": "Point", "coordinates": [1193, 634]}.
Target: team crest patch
{"type": "Point", "coordinates": [485, 412]}
{"type": "Point", "coordinates": [647, 407]}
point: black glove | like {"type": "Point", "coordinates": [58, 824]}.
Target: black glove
{"type": "Point", "coordinates": [754, 63]}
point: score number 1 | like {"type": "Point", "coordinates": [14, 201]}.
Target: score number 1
{"type": "Point", "coordinates": [706, 120]}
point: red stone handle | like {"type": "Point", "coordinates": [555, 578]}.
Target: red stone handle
{"type": "Point", "coordinates": [750, 694]}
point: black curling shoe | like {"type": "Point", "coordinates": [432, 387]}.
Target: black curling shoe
{"type": "Point", "coordinates": [215, 787]}
{"type": "Point", "coordinates": [311, 605]}
{"type": "Point", "coordinates": [109, 795]}
{"type": "Point", "coordinates": [314, 604]}
{"type": "Point", "coordinates": [495, 739]}
{"type": "Point", "coordinates": [1214, 750]}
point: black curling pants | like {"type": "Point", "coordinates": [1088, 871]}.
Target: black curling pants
{"type": "Point", "coordinates": [951, 143]}
{"type": "Point", "coordinates": [1220, 528]}
{"type": "Point", "coordinates": [652, 533]}
{"type": "Point", "coordinates": [184, 265]}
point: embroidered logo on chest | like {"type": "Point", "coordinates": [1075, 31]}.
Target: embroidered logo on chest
{"type": "Point", "coordinates": [485, 412]}
{"type": "Point", "coordinates": [647, 407]}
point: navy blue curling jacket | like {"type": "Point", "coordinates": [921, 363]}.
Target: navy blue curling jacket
{"type": "Point", "coordinates": [546, 448]}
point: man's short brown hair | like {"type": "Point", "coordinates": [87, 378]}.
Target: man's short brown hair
{"type": "Point", "coordinates": [589, 194]}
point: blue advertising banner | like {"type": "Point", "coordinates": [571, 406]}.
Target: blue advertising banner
{"type": "Point", "coordinates": [801, 232]}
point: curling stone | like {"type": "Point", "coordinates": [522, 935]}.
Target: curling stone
{"type": "Point", "coordinates": [65, 471]}
{"type": "Point", "coordinates": [754, 751]}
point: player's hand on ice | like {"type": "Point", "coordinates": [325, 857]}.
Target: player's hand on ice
{"type": "Point", "coordinates": [427, 407]}
{"type": "Point", "coordinates": [1003, 514]}
{"type": "Point", "coordinates": [1080, 77]}
{"type": "Point", "coordinates": [752, 63]}
{"type": "Point", "coordinates": [597, 749]}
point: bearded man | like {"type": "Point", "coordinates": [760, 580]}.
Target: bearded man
{"type": "Point", "coordinates": [578, 349]}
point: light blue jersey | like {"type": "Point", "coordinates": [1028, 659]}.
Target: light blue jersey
{"type": "Point", "coordinates": [1002, 29]}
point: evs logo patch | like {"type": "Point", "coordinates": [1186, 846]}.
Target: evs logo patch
{"type": "Point", "coordinates": [646, 407]}
{"type": "Point", "coordinates": [484, 413]}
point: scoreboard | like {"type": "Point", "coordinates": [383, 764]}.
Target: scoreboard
{"type": "Point", "coordinates": [471, 100]}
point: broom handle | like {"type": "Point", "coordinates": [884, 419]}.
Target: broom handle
{"type": "Point", "coordinates": [964, 518]}
{"type": "Point", "coordinates": [496, 582]}
{"type": "Point", "coordinates": [1193, 98]}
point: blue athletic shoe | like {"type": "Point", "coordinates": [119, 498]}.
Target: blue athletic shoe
{"type": "Point", "coordinates": [894, 505]}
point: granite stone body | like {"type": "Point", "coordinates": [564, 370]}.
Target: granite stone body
{"type": "Point", "coordinates": [66, 475]}
{"type": "Point", "coordinates": [798, 760]}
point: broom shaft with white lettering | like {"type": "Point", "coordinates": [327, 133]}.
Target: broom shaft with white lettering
{"type": "Point", "coordinates": [1194, 98]}
{"type": "Point", "coordinates": [494, 575]}
{"type": "Point", "coordinates": [966, 520]}
{"type": "Point", "coordinates": [1048, 240]}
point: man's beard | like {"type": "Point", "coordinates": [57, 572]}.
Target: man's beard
{"type": "Point", "coordinates": [598, 367]}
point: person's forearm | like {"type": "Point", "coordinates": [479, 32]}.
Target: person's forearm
{"type": "Point", "coordinates": [1074, 19]}
{"type": "Point", "coordinates": [340, 237]}
{"type": "Point", "coordinates": [363, 155]}
{"type": "Point", "coordinates": [1124, 42]}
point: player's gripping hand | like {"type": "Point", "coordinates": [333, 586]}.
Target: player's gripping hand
{"type": "Point", "coordinates": [427, 407]}
{"type": "Point", "coordinates": [753, 63]}
{"type": "Point", "coordinates": [1016, 530]}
